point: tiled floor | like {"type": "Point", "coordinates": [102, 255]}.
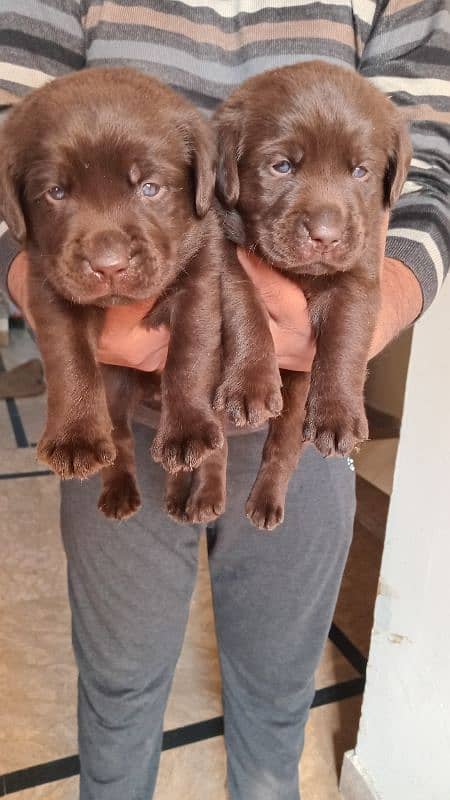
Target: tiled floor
{"type": "Point", "coordinates": [37, 672]}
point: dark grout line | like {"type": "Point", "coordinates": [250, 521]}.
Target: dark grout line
{"type": "Point", "coordinates": [189, 734]}
{"type": "Point", "coordinates": [40, 774]}
{"type": "Point", "coordinates": [63, 768]}
{"type": "Point", "coordinates": [16, 423]}
{"type": "Point", "coordinates": [348, 649]}
{"type": "Point", "coordinates": [14, 416]}
{"type": "Point", "coordinates": [339, 692]}
{"type": "Point", "coordinates": [6, 476]}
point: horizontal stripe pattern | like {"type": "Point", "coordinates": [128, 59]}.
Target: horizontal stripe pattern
{"type": "Point", "coordinates": [226, 74]}
{"type": "Point", "coordinates": [25, 76]}
{"type": "Point", "coordinates": [205, 49]}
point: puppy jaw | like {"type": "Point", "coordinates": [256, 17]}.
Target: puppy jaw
{"type": "Point", "coordinates": [280, 229]}
{"type": "Point", "coordinates": [117, 254]}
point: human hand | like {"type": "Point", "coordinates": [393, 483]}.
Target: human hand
{"type": "Point", "coordinates": [126, 343]}
{"type": "Point", "coordinates": [288, 314]}
{"type": "Point", "coordinates": [123, 340]}
{"type": "Point", "coordinates": [401, 304]}
{"type": "Point", "coordinates": [18, 285]}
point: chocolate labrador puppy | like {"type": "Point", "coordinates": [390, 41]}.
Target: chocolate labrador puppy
{"type": "Point", "coordinates": [310, 157]}
{"type": "Point", "coordinates": [107, 178]}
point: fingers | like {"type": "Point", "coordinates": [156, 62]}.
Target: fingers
{"type": "Point", "coordinates": [121, 319]}
{"type": "Point", "coordinates": [133, 347]}
{"type": "Point", "coordinates": [289, 320]}
{"type": "Point", "coordinates": [283, 299]}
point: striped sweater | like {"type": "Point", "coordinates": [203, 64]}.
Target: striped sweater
{"type": "Point", "coordinates": [205, 49]}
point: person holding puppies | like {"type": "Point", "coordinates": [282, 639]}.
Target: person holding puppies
{"type": "Point", "coordinates": [274, 595]}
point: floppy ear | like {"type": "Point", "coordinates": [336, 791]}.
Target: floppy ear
{"type": "Point", "coordinates": [204, 162]}
{"type": "Point", "coordinates": [399, 159]}
{"type": "Point", "coordinates": [229, 145]}
{"type": "Point", "coordinates": [10, 205]}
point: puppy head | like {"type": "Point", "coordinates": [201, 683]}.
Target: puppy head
{"type": "Point", "coordinates": [309, 158]}
{"type": "Point", "coordinates": [105, 176]}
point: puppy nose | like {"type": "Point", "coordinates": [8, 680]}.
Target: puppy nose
{"type": "Point", "coordinates": [107, 252]}
{"type": "Point", "coordinates": [324, 227]}
{"type": "Point", "coordinates": [110, 262]}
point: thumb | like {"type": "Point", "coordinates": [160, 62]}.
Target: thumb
{"type": "Point", "coordinates": [281, 296]}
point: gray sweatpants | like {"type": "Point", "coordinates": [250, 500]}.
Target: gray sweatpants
{"type": "Point", "coordinates": [274, 596]}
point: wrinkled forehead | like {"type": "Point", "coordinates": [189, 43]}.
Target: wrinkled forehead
{"type": "Point", "coordinates": [82, 158]}
{"type": "Point", "coordinates": [319, 125]}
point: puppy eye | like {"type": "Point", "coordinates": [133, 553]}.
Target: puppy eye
{"type": "Point", "coordinates": [57, 193]}
{"type": "Point", "coordinates": [150, 189]}
{"type": "Point", "coordinates": [283, 167]}
{"type": "Point", "coordinates": [359, 172]}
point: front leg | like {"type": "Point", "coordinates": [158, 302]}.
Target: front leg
{"type": "Point", "coordinates": [282, 450]}
{"type": "Point", "coordinates": [77, 439]}
{"type": "Point", "coordinates": [120, 497]}
{"type": "Point", "coordinates": [189, 429]}
{"type": "Point", "coordinates": [344, 318]}
{"type": "Point", "coordinates": [198, 497]}
{"type": "Point", "coordinates": [250, 392]}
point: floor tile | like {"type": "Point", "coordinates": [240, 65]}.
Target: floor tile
{"type": "Point", "coordinates": [60, 790]}
{"type": "Point", "coordinates": [7, 438]}
{"type": "Point", "coordinates": [32, 564]}
{"type": "Point", "coordinates": [37, 672]}
{"type": "Point", "coordinates": [21, 347]}
{"type": "Point", "coordinates": [33, 412]}
{"type": "Point", "coordinates": [19, 459]}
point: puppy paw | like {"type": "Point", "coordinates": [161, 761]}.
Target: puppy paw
{"type": "Point", "coordinates": [186, 445]}
{"type": "Point", "coordinates": [265, 506]}
{"type": "Point", "coordinates": [120, 498]}
{"type": "Point", "coordinates": [205, 504]}
{"type": "Point", "coordinates": [335, 428]}
{"type": "Point", "coordinates": [74, 455]}
{"type": "Point", "coordinates": [251, 401]}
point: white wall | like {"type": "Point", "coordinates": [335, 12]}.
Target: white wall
{"type": "Point", "coordinates": [403, 749]}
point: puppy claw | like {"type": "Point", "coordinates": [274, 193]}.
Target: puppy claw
{"type": "Point", "coordinates": [120, 499]}
{"type": "Point", "coordinates": [204, 505]}
{"type": "Point", "coordinates": [252, 406]}
{"type": "Point", "coordinates": [264, 509]}
{"type": "Point", "coordinates": [204, 510]}
{"type": "Point", "coordinates": [176, 450]}
{"type": "Point", "coordinates": [75, 456]}
{"type": "Point", "coordinates": [265, 518]}
{"type": "Point", "coordinates": [335, 433]}
{"type": "Point", "coordinates": [175, 509]}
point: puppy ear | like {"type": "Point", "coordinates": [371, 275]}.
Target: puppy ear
{"type": "Point", "coordinates": [399, 159]}
{"type": "Point", "coordinates": [204, 162]}
{"type": "Point", "coordinates": [229, 146]}
{"type": "Point", "coordinates": [10, 204]}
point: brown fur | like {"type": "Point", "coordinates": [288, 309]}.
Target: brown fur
{"type": "Point", "coordinates": [320, 225]}
{"type": "Point", "coordinates": [101, 135]}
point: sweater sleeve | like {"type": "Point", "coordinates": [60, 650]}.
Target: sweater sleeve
{"type": "Point", "coordinates": [39, 40]}
{"type": "Point", "coordinates": [406, 55]}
